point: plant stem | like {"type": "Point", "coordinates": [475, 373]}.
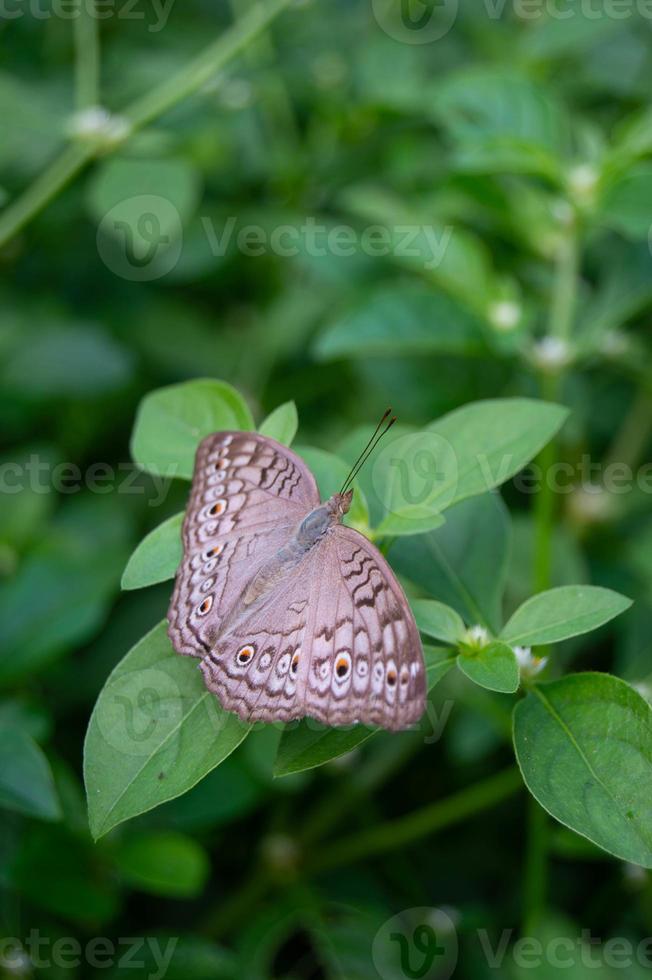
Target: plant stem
{"type": "Point", "coordinates": [205, 66]}
{"type": "Point", "coordinates": [187, 81]}
{"type": "Point", "coordinates": [536, 866]}
{"type": "Point", "coordinates": [45, 187]}
{"type": "Point", "coordinates": [428, 820]}
{"type": "Point", "coordinates": [560, 324]}
{"type": "Point", "coordinates": [544, 504]}
{"type": "Point", "coordinates": [87, 55]}
{"type": "Point", "coordinates": [564, 296]}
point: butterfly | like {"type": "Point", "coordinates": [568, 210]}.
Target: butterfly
{"type": "Point", "coordinates": [292, 612]}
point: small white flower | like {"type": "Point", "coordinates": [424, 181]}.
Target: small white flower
{"type": "Point", "coordinates": [582, 182]}
{"type": "Point", "coordinates": [551, 353]}
{"type": "Point", "coordinates": [477, 636]}
{"type": "Point", "coordinates": [504, 314]}
{"type": "Point", "coordinates": [591, 504]}
{"type": "Point", "coordinates": [97, 123]}
{"type": "Point", "coordinates": [529, 664]}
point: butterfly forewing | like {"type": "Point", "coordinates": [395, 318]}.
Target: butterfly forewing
{"type": "Point", "coordinates": [248, 494]}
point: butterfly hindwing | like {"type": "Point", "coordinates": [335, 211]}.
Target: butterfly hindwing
{"type": "Point", "coordinates": [335, 641]}
{"type": "Point", "coordinates": [248, 494]}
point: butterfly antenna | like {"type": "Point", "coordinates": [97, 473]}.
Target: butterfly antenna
{"type": "Point", "coordinates": [367, 451]}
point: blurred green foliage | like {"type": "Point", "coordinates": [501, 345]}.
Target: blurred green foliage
{"type": "Point", "coordinates": [516, 149]}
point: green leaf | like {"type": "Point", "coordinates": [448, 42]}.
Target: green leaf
{"type": "Point", "coordinates": [74, 360]}
{"type": "Point", "coordinates": [172, 421]}
{"type": "Point", "coordinates": [281, 424]}
{"type": "Point", "coordinates": [491, 441]}
{"type": "Point", "coordinates": [561, 613]}
{"type": "Point", "coordinates": [120, 186]}
{"type": "Point", "coordinates": [74, 584]}
{"type": "Point", "coordinates": [309, 744]}
{"type": "Point", "coordinates": [627, 204]}
{"type": "Point", "coordinates": [438, 620]}
{"type": "Point", "coordinates": [157, 557]}
{"type": "Point", "coordinates": [402, 320]}
{"type": "Point", "coordinates": [163, 863]}
{"type": "Point", "coordinates": [494, 667]}
{"type": "Point", "coordinates": [502, 121]}
{"type": "Point", "coordinates": [154, 733]}
{"type": "Point", "coordinates": [465, 453]}
{"type": "Point", "coordinates": [464, 562]}
{"type": "Point", "coordinates": [26, 783]}
{"type": "Point", "coordinates": [409, 522]}
{"type": "Point", "coordinates": [584, 745]}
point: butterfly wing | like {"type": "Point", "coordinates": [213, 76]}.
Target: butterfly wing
{"type": "Point", "coordinates": [336, 641]}
{"type": "Point", "coordinates": [248, 494]}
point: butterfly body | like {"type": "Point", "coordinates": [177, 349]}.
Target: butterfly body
{"type": "Point", "coordinates": [291, 612]}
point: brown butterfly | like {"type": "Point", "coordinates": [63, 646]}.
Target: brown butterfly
{"type": "Point", "coordinates": [291, 612]}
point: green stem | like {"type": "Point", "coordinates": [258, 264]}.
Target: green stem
{"type": "Point", "coordinates": [45, 187]}
{"type": "Point", "coordinates": [560, 324]}
{"type": "Point", "coordinates": [205, 66]}
{"type": "Point", "coordinates": [631, 441]}
{"type": "Point", "coordinates": [536, 866]}
{"type": "Point", "coordinates": [187, 81]}
{"type": "Point", "coordinates": [87, 55]}
{"type": "Point", "coordinates": [422, 823]}
{"type": "Point", "coordinates": [564, 297]}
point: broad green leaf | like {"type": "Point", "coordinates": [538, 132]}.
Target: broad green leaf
{"type": "Point", "coordinates": [502, 121]}
{"type": "Point", "coordinates": [157, 557]}
{"type": "Point", "coordinates": [281, 424]}
{"type": "Point", "coordinates": [438, 620]}
{"type": "Point", "coordinates": [121, 184]}
{"type": "Point", "coordinates": [401, 320]}
{"type": "Point", "coordinates": [154, 732]}
{"type": "Point", "coordinates": [627, 204]}
{"type": "Point", "coordinates": [163, 863]}
{"type": "Point", "coordinates": [75, 572]}
{"type": "Point", "coordinates": [467, 452]}
{"type": "Point", "coordinates": [561, 613]}
{"type": "Point", "coordinates": [310, 744]}
{"type": "Point", "coordinates": [464, 562]}
{"type": "Point", "coordinates": [330, 472]}
{"type": "Point", "coordinates": [491, 441]}
{"type": "Point", "coordinates": [26, 783]}
{"type": "Point", "coordinates": [584, 745]}
{"type": "Point", "coordinates": [408, 522]}
{"type": "Point", "coordinates": [172, 421]}
{"type": "Point", "coordinates": [494, 667]}
{"type": "Point", "coordinates": [61, 359]}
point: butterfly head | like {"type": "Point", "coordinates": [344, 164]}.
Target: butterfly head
{"type": "Point", "coordinates": [340, 503]}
